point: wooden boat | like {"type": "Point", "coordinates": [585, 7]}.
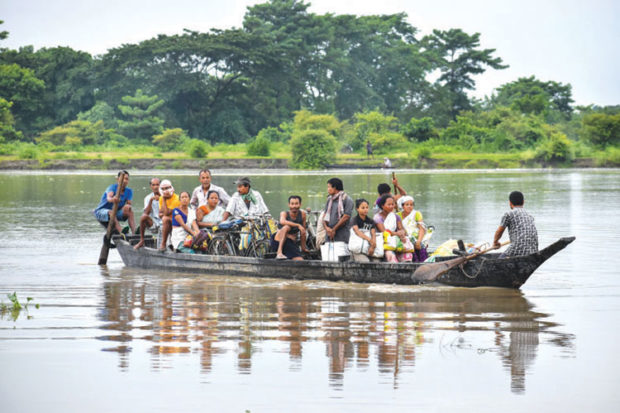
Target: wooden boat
{"type": "Point", "coordinates": [484, 271]}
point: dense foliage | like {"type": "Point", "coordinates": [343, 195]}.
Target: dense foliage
{"type": "Point", "coordinates": [294, 78]}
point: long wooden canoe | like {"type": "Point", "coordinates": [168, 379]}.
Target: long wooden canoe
{"type": "Point", "coordinates": [484, 271]}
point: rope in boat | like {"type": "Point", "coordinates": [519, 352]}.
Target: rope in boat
{"type": "Point", "coordinates": [482, 259]}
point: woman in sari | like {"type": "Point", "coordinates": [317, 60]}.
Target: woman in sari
{"type": "Point", "coordinates": [388, 222]}
{"type": "Point", "coordinates": [209, 214]}
{"type": "Point", "coordinates": [414, 226]}
{"type": "Point", "coordinates": [182, 218]}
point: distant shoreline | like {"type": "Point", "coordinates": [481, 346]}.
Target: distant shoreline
{"type": "Point", "coordinates": [262, 163]}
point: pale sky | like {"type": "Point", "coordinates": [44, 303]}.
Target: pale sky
{"type": "Point", "coordinates": [569, 41]}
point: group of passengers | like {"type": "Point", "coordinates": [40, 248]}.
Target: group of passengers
{"type": "Point", "coordinates": [179, 217]}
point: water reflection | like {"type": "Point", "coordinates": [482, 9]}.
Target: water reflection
{"type": "Point", "coordinates": [361, 326]}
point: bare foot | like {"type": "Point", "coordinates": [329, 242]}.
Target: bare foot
{"type": "Point", "coordinates": [139, 245]}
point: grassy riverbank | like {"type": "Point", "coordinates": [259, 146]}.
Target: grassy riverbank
{"type": "Point", "coordinates": [235, 156]}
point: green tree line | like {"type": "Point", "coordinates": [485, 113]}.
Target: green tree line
{"type": "Point", "coordinates": [370, 75]}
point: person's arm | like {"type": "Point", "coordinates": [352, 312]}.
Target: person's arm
{"type": "Point", "coordinates": [381, 227]}
{"type": "Point", "coordinates": [400, 230]}
{"type": "Point", "coordinates": [110, 196]}
{"type": "Point", "coordinates": [421, 233]}
{"type": "Point", "coordinates": [398, 188]}
{"type": "Point", "coordinates": [164, 210]}
{"type": "Point", "coordinates": [360, 234]}
{"type": "Point", "coordinates": [498, 235]}
{"type": "Point", "coordinates": [373, 238]}
{"type": "Point", "coordinates": [224, 197]}
{"type": "Point", "coordinates": [284, 221]}
{"type": "Point", "coordinates": [199, 216]}
{"type": "Point", "coordinates": [194, 201]}
{"type": "Point", "coordinates": [179, 220]}
{"type": "Point", "coordinates": [148, 208]}
{"type": "Point", "coordinates": [342, 221]}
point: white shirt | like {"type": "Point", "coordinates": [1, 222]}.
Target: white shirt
{"type": "Point", "coordinates": [237, 208]}
{"type": "Point", "coordinates": [199, 196]}
{"type": "Point", "coordinates": [154, 209]}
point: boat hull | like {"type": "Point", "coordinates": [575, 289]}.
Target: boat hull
{"type": "Point", "coordinates": [484, 271]}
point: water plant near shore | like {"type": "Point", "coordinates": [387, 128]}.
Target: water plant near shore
{"type": "Point", "coordinates": [14, 309]}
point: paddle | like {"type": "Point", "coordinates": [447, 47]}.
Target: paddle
{"type": "Point", "coordinates": [394, 177]}
{"type": "Point", "coordinates": [105, 248]}
{"type": "Point", "coordinates": [432, 271]}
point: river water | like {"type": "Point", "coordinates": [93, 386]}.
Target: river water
{"type": "Point", "coordinates": [118, 339]}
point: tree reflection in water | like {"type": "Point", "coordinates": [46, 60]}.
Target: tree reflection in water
{"type": "Point", "coordinates": [360, 324]}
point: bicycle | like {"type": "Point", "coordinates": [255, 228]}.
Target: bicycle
{"type": "Point", "coordinates": [246, 237]}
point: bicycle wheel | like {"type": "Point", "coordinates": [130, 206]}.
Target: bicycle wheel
{"type": "Point", "coordinates": [220, 246]}
{"type": "Point", "coordinates": [259, 249]}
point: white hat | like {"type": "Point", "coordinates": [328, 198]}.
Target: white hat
{"type": "Point", "coordinates": [403, 199]}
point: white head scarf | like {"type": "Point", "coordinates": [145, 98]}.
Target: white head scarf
{"type": "Point", "coordinates": [403, 199]}
{"type": "Point", "coordinates": [165, 182]}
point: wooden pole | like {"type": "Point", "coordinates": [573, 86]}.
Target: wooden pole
{"type": "Point", "coordinates": [105, 248]}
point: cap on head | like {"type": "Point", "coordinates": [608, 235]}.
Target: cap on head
{"type": "Point", "coordinates": [245, 181]}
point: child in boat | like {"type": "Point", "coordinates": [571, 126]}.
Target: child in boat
{"type": "Point", "coordinates": [182, 217]}
{"type": "Point", "coordinates": [414, 225]}
{"type": "Point", "coordinates": [365, 229]}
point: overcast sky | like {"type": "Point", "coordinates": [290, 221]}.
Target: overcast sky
{"type": "Point", "coordinates": [569, 41]}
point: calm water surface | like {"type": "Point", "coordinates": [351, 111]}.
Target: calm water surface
{"type": "Point", "coordinates": [118, 339]}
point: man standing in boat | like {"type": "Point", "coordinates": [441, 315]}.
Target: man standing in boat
{"type": "Point", "coordinates": [108, 199]}
{"type": "Point", "coordinates": [150, 214]}
{"type": "Point", "coordinates": [245, 201]}
{"type": "Point", "coordinates": [521, 228]}
{"type": "Point", "coordinates": [200, 194]}
{"type": "Point", "coordinates": [338, 211]}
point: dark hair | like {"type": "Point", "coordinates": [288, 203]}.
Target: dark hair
{"type": "Point", "coordinates": [383, 189]}
{"type": "Point", "coordinates": [336, 183]}
{"type": "Point", "coordinates": [359, 202]}
{"type": "Point", "coordinates": [184, 192]}
{"type": "Point", "coordinates": [118, 175]}
{"type": "Point", "coordinates": [383, 200]}
{"type": "Point", "coordinates": [294, 197]}
{"type": "Point", "coordinates": [212, 192]}
{"type": "Point", "coordinates": [204, 170]}
{"type": "Point", "coordinates": [516, 198]}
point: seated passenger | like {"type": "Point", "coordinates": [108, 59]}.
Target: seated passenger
{"type": "Point", "coordinates": [292, 223]}
{"type": "Point", "coordinates": [167, 202]}
{"type": "Point", "coordinates": [365, 228]}
{"type": "Point", "coordinates": [182, 218]}
{"type": "Point", "coordinates": [245, 201]}
{"type": "Point", "coordinates": [150, 214]}
{"type": "Point", "coordinates": [108, 199]}
{"type": "Point", "coordinates": [209, 214]}
{"type": "Point", "coordinates": [388, 222]}
{"type": "Point", "coordinates": [414, 225]}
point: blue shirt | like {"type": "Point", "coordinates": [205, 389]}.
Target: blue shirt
{"type": "Point", "coordinates": [177, 212]}
{"type": "Point", "coordinates": [127, 195]}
